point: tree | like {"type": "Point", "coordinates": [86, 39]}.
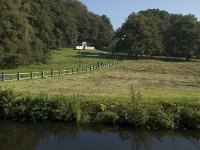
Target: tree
{"type": "Point", "coordinates": [41, 20]}
{"type": "Point", "coordinates": [94, 29]}
{"type": "Point", "coordinates": [30, 29]}
{"type": "Point", "coordinates": [139, 35]}
{"type": "Point", "coordinates": [185, 36]}
{"type": "Point", "coordinates": [16, 34]}
{"type": "Point", "coordinates": [162, 19]}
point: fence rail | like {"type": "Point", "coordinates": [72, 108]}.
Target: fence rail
{"type": "Point", "coordinates": [53, 73]}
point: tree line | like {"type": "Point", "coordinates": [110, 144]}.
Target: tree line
{"type": "Point", "coordinates": [155, 32]}
{"type": "Point", "coordinates": [30, 29]}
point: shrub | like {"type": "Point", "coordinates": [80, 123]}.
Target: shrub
{"type": "Point", "coordinates": [60, 109]}
{"type": "Point", "coordinates": [136, 113]}
{"type": "Point", "coordinates": [107, 117]}
{"type": "Point", "coordinates": [6, 96]}
{"type": "Point", "coordinates": [38, 108]}
{"type": "Point", "coordinates": [20, 109]}
{"type": "Point", "coordinates": [158, 118]}
{"type": "Point", "coordinates": [189, 118]}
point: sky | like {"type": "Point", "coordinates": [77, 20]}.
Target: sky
{"type": "Point", "coordinates": [119, 10]}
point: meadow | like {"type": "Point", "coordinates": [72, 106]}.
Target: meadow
{"type": "Point", "coordinates": [156, 79]}
{"type": "Point", "coordinates": [149, 93]}
{"type": "Point", "coordinates": [66, 59]}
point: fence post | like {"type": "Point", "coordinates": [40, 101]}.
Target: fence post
{"type": "Point", "coordinates": [18, 76]}
{"type": "Point", "coordinates": [51, 73]}
{"type": "Point", "coordinates": [3, 76]}
{"type": "Point", "coordinates": [86, 70]}
{"type": "Point", "coordinates": [31, 74]}
{"type": "Point", "coordinates": [72, 71]}
{"type": "Point", "coordinates": [77, 70]}
{"type": "Point", "coordinates": [42, 73]}
{"type": "Point", "coordinates": [59, 72]}
{"type": "Point", "coordinates": [67, 71]}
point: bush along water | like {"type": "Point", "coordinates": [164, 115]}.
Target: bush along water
{"type": "Point", "coordinates": [80, 110]}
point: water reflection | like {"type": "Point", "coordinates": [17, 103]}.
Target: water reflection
{"type": "Point", "coordinates": [39, 136]}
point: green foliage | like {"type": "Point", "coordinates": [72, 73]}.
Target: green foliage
{"type": "Point", "coordinates": [139, 35]}
{"type": "Point", "coordinates": [30, 29]}
{"type": "Point", "coordinates": [189, 117]}
{"type": "Point", "coordinates": [184, 39]}
{"type": "Point", "coordinates": [136, 97]}
{"type": "Point", "coordinates": [6, 96]}
{"type": "Point", "coordinates": [79, 110]}
{"type": "Point", "coordinates": [39, 108]}
{"type": "Point", "coordinates": [96, 30]}
{"type": "Point", "coordinates": [107, 117]}
{"type": "Point", "coordinates": [156, 32]}
{"type": "Point", "coordinates": [158, 118]}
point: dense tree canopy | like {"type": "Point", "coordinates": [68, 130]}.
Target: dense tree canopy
{"type": "Point", "coordinates": [139, 35]}
{"type": "Point", "coordinates": [157, 32]}
{"type": "Point", "coordinates": [184, 37]}
{"type": "Point", "coordinates": [29, 29]}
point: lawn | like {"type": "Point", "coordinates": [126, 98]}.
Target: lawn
{"type": "Point", "coordinates": [157, 80]}
{"type": "Point", "coordinates": [66, 59]}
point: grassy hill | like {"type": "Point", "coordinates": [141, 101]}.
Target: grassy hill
{"type": "Point", "coordinates": [156, 79]}
{"type": "Point", "coordinates": [66, 58]}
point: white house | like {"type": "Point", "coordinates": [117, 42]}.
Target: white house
{"type": "Point", "coordinates": [84, 47]}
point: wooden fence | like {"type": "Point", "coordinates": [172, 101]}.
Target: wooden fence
{"type": "Point", "coordinates": [53, 73]}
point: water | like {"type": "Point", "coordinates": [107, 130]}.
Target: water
{"type": "Point", "coordinates": [57, 136]}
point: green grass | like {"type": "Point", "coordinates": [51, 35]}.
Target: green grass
{"type": "Point", "coordinates": [66, 59]}
{"type": "Point", "coordinates": [169, 93]}
{"type": "Point", "coordinates": [157, 80]}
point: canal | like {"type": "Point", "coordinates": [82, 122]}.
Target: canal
{"type": "Point", "coordinates": [60, 136]}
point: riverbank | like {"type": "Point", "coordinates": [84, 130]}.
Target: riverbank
{"type": "Point", "coordinates": [82, 110]}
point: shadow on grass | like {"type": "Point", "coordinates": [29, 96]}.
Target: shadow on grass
{"type": "Point", "coordinates": [174, 59]}
{"type": "Point", "coordinates": [162, 58]}
{"type": "Point", "coordinates": [119, 56]}
{"type": "Point", "coordinates": [170, 59]}
{"type": "Point", "coordinates": [100, 55]}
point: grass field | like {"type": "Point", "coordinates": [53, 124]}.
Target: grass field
{"type": "Point", "coordinates": [157, 80]}
{"type": "Point", "coordinates": [66, 59]}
